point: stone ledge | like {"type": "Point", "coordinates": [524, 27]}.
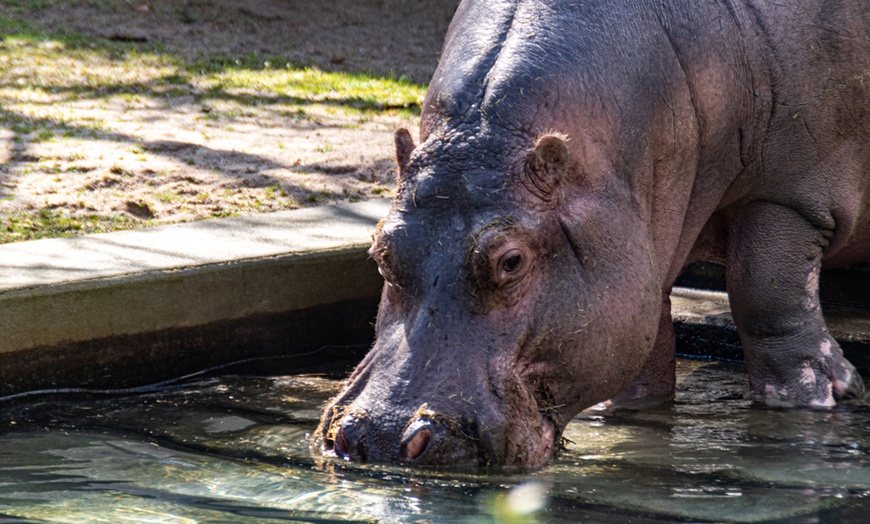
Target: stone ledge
{"type": "Point", "coordinates": [705, 328]}
{"type": "Point", "coordinates": [104, 291]}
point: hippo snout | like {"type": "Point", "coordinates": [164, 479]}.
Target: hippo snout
{"type": "Point", "coordinates": [425, 440]}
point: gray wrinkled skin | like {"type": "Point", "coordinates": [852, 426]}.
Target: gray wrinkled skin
{"type": "Point", "coordinates": [574, 157]}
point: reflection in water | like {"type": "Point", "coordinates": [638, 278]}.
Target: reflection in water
{"type": "Point", "coordinates": [235, 449]}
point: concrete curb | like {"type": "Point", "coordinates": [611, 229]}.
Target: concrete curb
{"type": "Point", "coordinates": [65, 301]}
{"type": "Point", "coordinates": [705, 328]}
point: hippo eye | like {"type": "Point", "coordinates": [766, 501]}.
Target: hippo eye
{"type": "Point", "coordinates": [383, 258]}
{"type": "Point", "coordinates": [511, 267]}
{"type": "Point", "coordinates": [512, 263]}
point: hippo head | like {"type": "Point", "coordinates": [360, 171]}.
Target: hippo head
{"type": "Point", "coordinates": [513, 299]}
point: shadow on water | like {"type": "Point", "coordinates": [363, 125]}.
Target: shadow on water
{"type": "Point", "coordinates": [234, 447]}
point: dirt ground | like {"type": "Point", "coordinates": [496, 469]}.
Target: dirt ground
{"type": "Point", "coordinates": [78, 160]}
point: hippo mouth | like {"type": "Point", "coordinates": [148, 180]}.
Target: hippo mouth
{"type": "Point", "coordinates": [547, 443]}
{"type": "Point", "coordinates": [551, 434]}
{"type": "Point", "coordinates": [433, 439]}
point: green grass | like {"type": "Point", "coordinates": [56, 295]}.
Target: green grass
{"type": "Point", "coordinates": [364, 93]}
{"type": "Point", "coordinates": [49, 223]}
{"type": "Point", "coordinates": [39, 69]}
{"type": "Point", "coordinates": [72, 66]}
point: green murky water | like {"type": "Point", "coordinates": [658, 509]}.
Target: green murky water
{"type": "Point", "coordinates": [235, 449]}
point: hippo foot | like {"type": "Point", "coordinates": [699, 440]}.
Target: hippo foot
{"type": "Point", "coordinates": [819, 382]}
{"type": "Point", "coordinates": [657, 381]}
{"type": "Point", "coordinates": [641, 394]}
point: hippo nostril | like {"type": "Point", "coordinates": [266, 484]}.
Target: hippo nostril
{"type": "Point", "coordinates": [340, 445]}
{"type": "Point", "coordinates": [347, 437]}
{"type": "Point", "coordinates": [429, 442]}
{"type": "Point", "coordinates": [418, 443]}
{"type": "Point", "coordinates": [416, 438]}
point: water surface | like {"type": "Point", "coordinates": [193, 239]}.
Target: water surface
{"type": "Point", "coordinates": [234, 448]}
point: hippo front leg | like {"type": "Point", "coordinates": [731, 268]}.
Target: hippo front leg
{"type": "Point", "coordinates": [657, 380]}
{"type": "Point", "coordinates": [774, 259]}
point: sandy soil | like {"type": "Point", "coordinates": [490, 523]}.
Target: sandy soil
{"type": "Point", "coordinates": [166, 159]}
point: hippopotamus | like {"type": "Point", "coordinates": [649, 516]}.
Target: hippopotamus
{"type": "Point", "coordinates": [574, 156]}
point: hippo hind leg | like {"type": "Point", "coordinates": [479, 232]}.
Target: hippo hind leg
{"type": "Point", "coordinates": [774, 259]}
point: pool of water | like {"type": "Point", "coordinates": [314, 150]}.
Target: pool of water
{"type": "Point", "coordinates": [234, 448]}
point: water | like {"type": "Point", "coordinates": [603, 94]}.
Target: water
{"type": "Point", "coordinates": [235, 449]}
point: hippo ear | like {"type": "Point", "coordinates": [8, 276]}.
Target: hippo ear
{"type": "Point", "coordinates": [547, 164]}
{"type": "Point", "coordinates": [404, 147]}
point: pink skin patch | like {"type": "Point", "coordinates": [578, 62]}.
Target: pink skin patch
{"type": "Point", "coordinates": [825, 348]}
{"type": "Point", "coordinates": [812, 288]}
{"type": "Point", "coordinates": [548, 435]}
{"type": "Point", "coordinates": [808, 376]}
{"type": "Point", "coordinates": [809, 379]}
{"type": "Point", "coordinates": [827, 402]}
{"type": "Point", "coordinates": [770, 390]}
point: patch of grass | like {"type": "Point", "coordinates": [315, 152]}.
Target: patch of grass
{"type": "Point", "coordinates": [223, 213]}
{"type": "Point", "coordinates": [322, 197]}
{"type": "Point", "coordinates": [72, 66]}
{"type": "Point", "coordinates": [351, 91]}
{"type": "Point", "coordinates": [50, 223]}
{"type": "Point", "coordinates": [168, 196]}
{"type": "Point", "coordinates": [22, 128]}
{"type": "Point", "coordinates": [273, 192]}
{"type": "Point", "coordinates": [32, 5]}
{"type": "Point", "coordinates": [44, 135]}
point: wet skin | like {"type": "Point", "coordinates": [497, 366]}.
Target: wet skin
{"type": "Point", "coordinates": [574, 157]}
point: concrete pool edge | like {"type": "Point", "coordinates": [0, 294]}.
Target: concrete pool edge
{"type": "Point", "coordinates": [705, 329]}
{"type": "Point", "coordinates": [126, 308]}
{"type": "Point", "coordinates": [134, 307]}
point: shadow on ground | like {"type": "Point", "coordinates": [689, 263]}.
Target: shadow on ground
{"type": "Point", "coordinates": [272, 104]}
